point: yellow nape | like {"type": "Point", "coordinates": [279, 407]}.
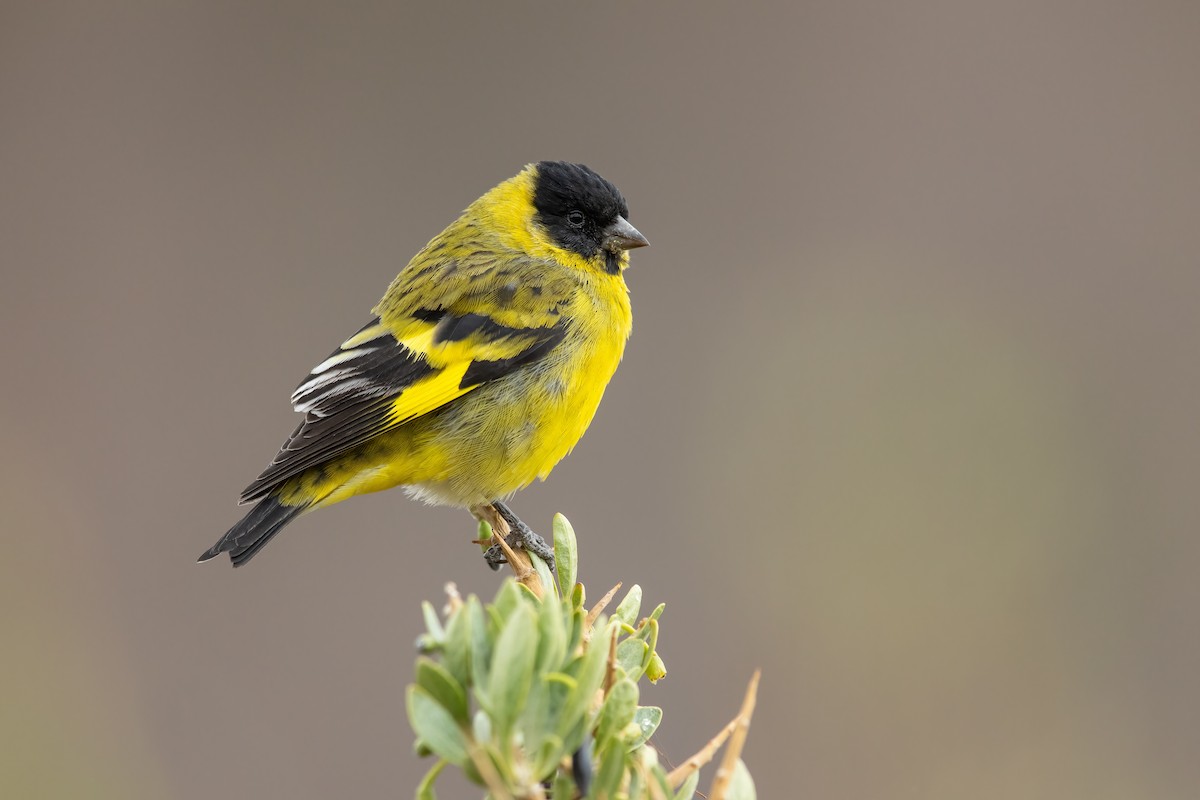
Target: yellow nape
{"type": "Point", "coordinates": [509, 211]}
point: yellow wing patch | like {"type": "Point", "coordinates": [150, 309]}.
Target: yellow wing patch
{"type": "Point", "coordinates": [429, 394]}
{"type": "Point", "coordinates": [453, 359]}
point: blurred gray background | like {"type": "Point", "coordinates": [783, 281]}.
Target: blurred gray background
{"type": "Point", "coordinates": [908, 419]}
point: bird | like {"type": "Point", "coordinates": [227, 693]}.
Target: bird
{"type": "Point", "coordinates": [480, 369]}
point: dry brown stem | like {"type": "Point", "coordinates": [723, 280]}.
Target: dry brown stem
{"type": "Point", "coordinates": [594, 614]}
{"type": "Point", "coordinates": [720, 784]}
{"type": "Point", "coordinates": [648, 779]}
{"type": "Point", "coordinates": [740, 723]}
{"type": "Point", "coordinates": [487, 771]}
{"type": "Point", "coordinates": [610, 671]}
{"type": "Point", "coordinates": [678, 775]}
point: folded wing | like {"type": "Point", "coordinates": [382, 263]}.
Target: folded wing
{"type": "Point", "coordinates": [375, 381]}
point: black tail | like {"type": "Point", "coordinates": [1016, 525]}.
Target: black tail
{"type": "Point", "coordinates": [250, 535]}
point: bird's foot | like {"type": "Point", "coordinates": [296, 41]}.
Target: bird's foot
{"type": "Point", "coordinates": [525, 540]}
{"type": "Point", "coordinates": [521, 538]}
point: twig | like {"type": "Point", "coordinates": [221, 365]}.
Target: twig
{"type": "Point", "coordinates": [610, 671]}
{"type": "Point", "coordinates": [487, 771]}
{"type": "Point", "coordinates": [678, 775]}
{"type": "Point", "coordinates": [720, 784]}
{"type": "Point", "coordinates": [599, 607]}
{"type": "Point", "coordinates": [518, 560]}
{"type": "Point", "coordinates": [655, 790]}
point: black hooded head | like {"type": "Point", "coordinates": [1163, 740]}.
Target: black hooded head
{"type": "Point", "coordinates": [576, 206]}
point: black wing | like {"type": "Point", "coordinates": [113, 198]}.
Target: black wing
{"type": "Point", "coordinates": [359, 392]}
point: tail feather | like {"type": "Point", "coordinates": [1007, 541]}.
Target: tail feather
{"type": "Point", "coordinates": [252, 533]}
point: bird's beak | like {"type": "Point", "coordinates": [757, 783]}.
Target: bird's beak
{"type": "Point", "coordinates": [622, 236]}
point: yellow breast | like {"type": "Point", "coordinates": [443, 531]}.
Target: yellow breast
{"type": "Point", "coordinates": [504, 435]}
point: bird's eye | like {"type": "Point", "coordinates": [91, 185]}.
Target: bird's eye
{"type": "Point", "coordinates": [575, 218]}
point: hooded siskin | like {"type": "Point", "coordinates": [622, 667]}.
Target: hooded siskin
{"type": "Point", "coordinates": [482, 367]}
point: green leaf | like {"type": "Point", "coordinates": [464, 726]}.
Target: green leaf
{"type": "Point", "coordinates": [566, 555]}
{"type": "Point", "coordinates": [741, 786]}
{"type": "Point", "coordinates": [589, 674]}
{"type": "Point", "coordinates": [546, 746]}
{"type": "Point", "coordinates": [635, 785]}
{"type": "Point", "coordinates": [688, 789]}
{"type": "Point", "coordinates": [540, 720]}
{"type": "Point", "coordinates": [577, 620]}
{"type": "Point", "coordinates": [436, 726]}
{"type": "Point", "coordinates": [425, 789]}
{"type": "Point", "coordinates": [564, 787]}
{"type": "Point", "coordinates": [456, 647]}
{"type": "Point", "coordinates": [534, 722]}
{"type": "Point", "coordinates": [657, 612]}
{"type": "Point", "coordinates": [659, 778]}
{"type": "Point", "coordinates": [631, 654]}
{"type": "Point", "coordinates": [512, 669]}
{"type": "Point", "coordinates": [548, 755]}
{"type": "Point", "coordinates": [578, 596]}
{"type": "Point", "coordinates": [628, 610]}
{"type": "Point", "coordinates": [507, 600]}
{"type": "Point", "coordinates": [481, 649]}
{"type": "Point", "coordinates": [552, 635]}
{"type": "Point", "coordinates": [432, 624]}
{"type": "Point", "coordinates": [546, 577]}
{"type": "Point", "coordinates": [442, 686]}
{"type": "Point", "coordinates": [563, 678]}
{"type": "Point", "coordinates": [502, 764]}
{"type": "Point", "coordinates": [617, 711]}
{"type": "Point", "coordinates": [495, 620]}
{"type": "Point", "coordinates": [566, 725]}
{"type": "Point", "coordinates": [647, 719]}
{"type": "Point", "coordinates": [609, 771]}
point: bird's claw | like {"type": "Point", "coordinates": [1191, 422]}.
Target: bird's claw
{"type": "Point", "coordinates": [520, 539]}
